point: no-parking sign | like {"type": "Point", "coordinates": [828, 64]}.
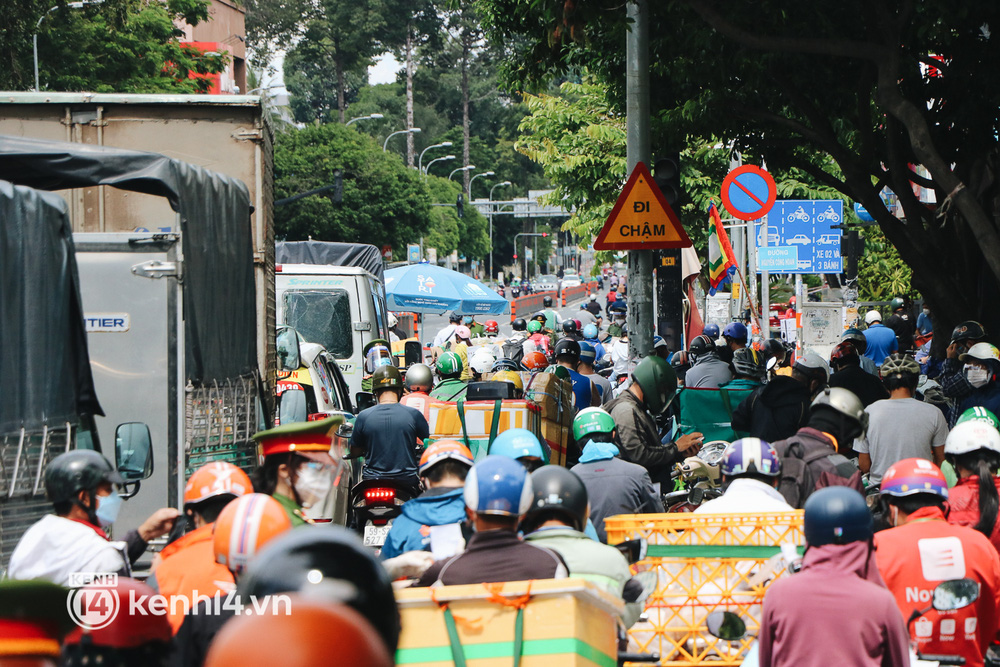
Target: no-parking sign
{"type": "Point", "coordinates": [748, 192]}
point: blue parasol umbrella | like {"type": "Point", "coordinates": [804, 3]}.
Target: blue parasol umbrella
{"type": "Point", "coordinates": [426, 288]}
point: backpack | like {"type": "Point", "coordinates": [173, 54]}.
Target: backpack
{"type": "Point", "coordinates": [513, 349]}
{"type": "Point", "coordinates": [799, 480]}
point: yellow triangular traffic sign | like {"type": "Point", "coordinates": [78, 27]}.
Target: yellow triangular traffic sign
{"type": "Point", "coordinates": [642, 219]}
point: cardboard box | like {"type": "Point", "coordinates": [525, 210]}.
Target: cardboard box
{"type": "Point", "coordinates": [567, 622]}
{"type": "Point", "coordinates": [556, 435]}
{"type": "Point", "coordinates": [554, 396]}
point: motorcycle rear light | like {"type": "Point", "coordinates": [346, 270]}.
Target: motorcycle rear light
{"type": "Point", "coordinates": [380, 522]}
{"type": "Point", "coordinates": [379, 495]}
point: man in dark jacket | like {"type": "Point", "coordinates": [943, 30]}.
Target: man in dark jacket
{"type": "Point", "coordinates": [847, 373]}
{"type": "Point", "coordinates": [778, 409]}
{"type": "Point", "coordinates": [902, 324]}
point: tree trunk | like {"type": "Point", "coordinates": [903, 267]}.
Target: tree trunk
{"type": "Point", "coordinates": [341, 97]}
{"type": "Point", "coordinates": [410, 141]}
{"type": "Point", "coordinates": [466, 48]}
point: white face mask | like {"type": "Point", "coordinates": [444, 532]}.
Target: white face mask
{"type": "Point", "coordinates": [313, 483]}
{"type": "Point", "coordinates": [976, 375]}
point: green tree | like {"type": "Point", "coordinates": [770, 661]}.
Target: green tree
{"type": "Point", "coordinates": [311, 94]}
{"type": "Point", "coordinates": [469, 234]}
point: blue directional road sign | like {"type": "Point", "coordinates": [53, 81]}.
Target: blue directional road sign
{"type": "Point", "coordinates": [778, 259]}
{"type": "Point", "coordinates": [808, 226]}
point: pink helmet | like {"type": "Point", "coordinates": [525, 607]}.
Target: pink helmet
{"type": "Point", "coordinates": [462, 331]}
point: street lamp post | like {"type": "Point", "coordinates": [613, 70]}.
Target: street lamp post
{"type": "Point", "coordinates": [409, 130]}
{"type": "Point", "coordinates": [371, 116]}
{"type": "Point", "coordinates": [73, 5]}
{"type": "Point", "coordinates": [420, 160]}
{"type": "Point", "coordinates": [446, 157]}
{"type": "Point", "coordinates": [542, 234]}
{"type": "Point", "coordinates": [498, 185]}
{"type": "Point", "coordinates": [485, 173]}
{"type": "Point", "coordinates": [467, 167]}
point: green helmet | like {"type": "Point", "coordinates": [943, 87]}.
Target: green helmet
{"type": "Point", "coordinates": [979, 414]}
{"type": "Point", "coordinates": [896, 304]}
{"type": "Point", "coordinates": [658, 382]}
{"type": "Point", "coordinates": [449, 365]}
{"type": "Point", "coordinates": [592, 420]}
{"type": "Point", "coordinates": [387, 377]}
{"type": "Point", "coordinates": [534, 326]}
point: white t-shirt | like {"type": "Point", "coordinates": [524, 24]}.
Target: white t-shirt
{"type": "Point", "coordinates": [746, 496]}
{"type": "Point", "coordinates": [898, 429]}
{"type": "Point", "coordinates": [56, 547]}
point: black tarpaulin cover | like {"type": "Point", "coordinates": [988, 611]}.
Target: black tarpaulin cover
{"type": "Point", "coordinates": [44, 367]}
{"type": "Point", "coordinates": [366, 256]}
{"type": "Point", "coordinates": [214, 211]}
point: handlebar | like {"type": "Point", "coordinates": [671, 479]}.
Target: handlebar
{"type": "Point", "coordinates": [638, 657]}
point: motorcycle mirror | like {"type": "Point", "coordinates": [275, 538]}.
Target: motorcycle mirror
{"type": "Point", "coordinates": [633, 550]}
{"type": "Point", "coordinates": [640, 587]}
{"type": "Point", "coordinates": [726, 626]}
{"type": "Point", "coordinates": [955, 594]}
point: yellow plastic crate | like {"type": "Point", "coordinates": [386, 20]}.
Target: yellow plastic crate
{"type": "Point", "coordinates": [704, 563]}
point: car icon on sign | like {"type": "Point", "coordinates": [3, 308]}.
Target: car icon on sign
{"type": "Point", "coordinates": [828, 239]}
{"type": "Point", "coordinates": [800, 239]}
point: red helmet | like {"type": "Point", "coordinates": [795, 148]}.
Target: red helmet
{"type": "Point", "coordinates": [911, 476]}
{"type": "Point", "coordinates": [844, 353]}
{"type": "Point", "coordinates": [492, 326]}
{"type": "Point", "coordinates": [127, 630]}
{"type": "Point", "coordinates": [216, 479]}
{"type": "Point", "coordinates": [535, 361]}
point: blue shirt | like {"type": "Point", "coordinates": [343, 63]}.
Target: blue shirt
{"type": "Point", "coordinates": [434, 507]}
{"type": "Point", "coordinates": [881, 342]}
{"type": "Point", "coordinates": [388, 435]}
{"type": "Point", "coordinates": [581, 390]}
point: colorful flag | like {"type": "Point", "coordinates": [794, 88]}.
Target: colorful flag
{"type": "Point", "coordinates": [721, 259]}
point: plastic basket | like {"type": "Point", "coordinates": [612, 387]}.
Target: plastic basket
{"type": "Point", "coordinates": [704, 563]}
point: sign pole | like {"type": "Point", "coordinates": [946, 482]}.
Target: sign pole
{"type": "Point", "coordinates": [765, 288]}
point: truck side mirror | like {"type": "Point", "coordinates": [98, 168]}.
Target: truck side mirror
{"type": "Point", "coordinates": [133, 451]}
{"type": "Point", "coordinates": [287, 347]}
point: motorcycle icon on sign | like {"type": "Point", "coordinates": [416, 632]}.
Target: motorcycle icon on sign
{"type": "Point", "coordinates": [798, 214]}
{"type": "Point", "coordinates": [828, 215]}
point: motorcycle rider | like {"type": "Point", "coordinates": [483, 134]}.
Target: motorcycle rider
{"type": "Point", "coordinates": [552, 318]}
{"type": "Point", "coordinates": [808, 617]}
{"type": "Point", "coordinates": [588, 357]}
{"type": "Point", "coordinates": [585, 317]}
{"type": "Point", "coordinates": [982, 367]}
{"type": "Point", "coordinates": [454, 321]}
{"type": "Point", "coordinates": [419, 381]}
{"type": "Point", "coordinates": [653, 387]}
{"type": "Point", "coordinates": [973, 449]}
{"type": "Point", "coordinates": [475, 328]}
{"type": "Point", "coordinates": [952, 378]}
{"type": "Point", "coordinates": [585, 392]}
{"type": "Point", "coordinates": [902, 324]}
{"type": "Point", "coordinates": [497, 493]}
{"type": "Point", "coordinates": [750, 471]}
{"type": "Point", "coordinates": [570, 330]}
{"type": "Point", "coordinates": [856, 337]}
{"type": "Point", "coordinates": [735, 335]}
{"type": "Point", "coordinates": [388, 434]}
{"type": "Point", "coordinates": [881, 339]}
{"type": "Point", "coordinates": [481, 361]}
{"type": "Point", "coordinates": [513, 347]}
{"type": "Point", "coordinates": [707, 370]}
{"type": "Point", "coordinates": [534, 362]}
{"type": "Point", "coordinates": [923, 549]}
{"type": "Point", "coordinates": [591, 334]}
{"type": "Point", "coordinates": [778, 409]}
{"type": "Point", "coordinates": [451, 387]}
{"type": "Point", "coordinates": [749, 370]}
{"type": "Point", "coordinates": [514, 378]}
{"type": "Point", "coordinates": [81, 485]}
{"type": "Point", "coordinates": [593, 306]}
{"type": "Point", "coordinates": [617, 312]}
{"type": "Point", "coordinates": [521, 445]}
{"type": "Point", "coordinates": [394, 330]}
{"type": "Point", "coordinates": [539, 340]}
{"type": "Point", "coordinates": [444, 466]}
{"type": "Point", "coordinates": [491, 328]}
{"type": "Point", "coordinates": [847, 373]}
{"type": "Point", "coordinates": [614, 486]}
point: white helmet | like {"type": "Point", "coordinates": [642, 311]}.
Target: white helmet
{"type": "Point", "coordinates": [593, 297]}
{"type": "Point", "coordinates": [873, 316]}
{"type": "Point", "coordinates": [970, 436]}
{"type": "Point", "coordinates": [482, 360]}
{"type": "Point", "coordinates": [393, 320]}
{"type": "Point", "coordinates": [981, 352]}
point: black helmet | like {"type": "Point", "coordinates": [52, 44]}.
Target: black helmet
{"type": "Point", "coordinates": [701, 344]}
{"type": "Point", "coordinates": [419, 377]}
{"type": "Point", "coordinates": [519, 324]}
{"type": "Point", "coordinates": [837, 515]}
{"type": "Point", "coordinates": [539, 316]}
{"type": "Point", "coordinates": [75, 471]}
{"type": "Point", "coordinates": [386, 377]}
{"type": "Point", "coordinates": [560, 491]}
{"type": "Point", "coordinates": [749, 362]}
{"type": "Point", "coordinates": [658, 382]}
{"type": "Point", "coordinates": [970, 330]}
{"type": "Point", "coordinates": [567, 347]}
{"type": "Point", "coordinates": [569, 327]}
{"type": "Point", "coordinates": [326, 563]}
{"type": "Point", "coordinates": [454, 317]}
{"type": "Point", "coordinates": [547, 301]}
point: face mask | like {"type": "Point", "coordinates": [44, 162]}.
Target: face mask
{"type": "Point", "coordinates": [466, 320]}
{"type": "Point", "coordinates": [108, 508]}
{"type": "Point", "coordinates": [313, 483]}
{"type": "Point", "coordinates": [976, 375]}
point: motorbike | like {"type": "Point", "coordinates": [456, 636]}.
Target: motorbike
{"type": "Point", "coordinates": [696, 479]}
{"type": "Point", "coordinates": [515, 291]}
{"type": "Point", "coordinates": [501, 291]}
{"type": "Point", "coordinates": [375, 503]}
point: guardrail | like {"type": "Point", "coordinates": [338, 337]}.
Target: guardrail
{"type": "Point", "coordinates": [574, 293]}
{"type": "Point", "coordinates": [529, 304]}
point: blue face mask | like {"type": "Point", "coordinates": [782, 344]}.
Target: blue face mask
{"type": "Point", "coordinates": [466, 320]}
{"type": "Point", "coordinates": [108, 508]}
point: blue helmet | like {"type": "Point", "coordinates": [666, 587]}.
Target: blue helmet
{"type": "Point", "coordinates": [750, 455]}
{"type": "Point", "coordinates": [711, 330]}
{"type": "Point", "coordinates": [588, 355]}
{"type": "Point", "coordinates": [498, 485]}
{"type": "Point", "coordinates": [837, 515]}
{"type": "Point", "coordinates": [515, 443]}
{"type": "Point", "coordinates": [735, 330]}
{"type": "Point", "coordinates": [591, 331]}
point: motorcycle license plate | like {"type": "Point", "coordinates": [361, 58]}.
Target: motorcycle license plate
{"type": "Point", "coordinates": [375, 535]}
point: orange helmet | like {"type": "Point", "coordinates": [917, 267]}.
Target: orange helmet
{"type": "Point", "coordinates": [442, 450]}
{"type": "Point", "coordinates": [216, 479]}
{"type": "Point", "coordinates": [130, 628]}
{"type": "Point", "coordinates": [310, 630]}
{"type": "Point", "coordinates": [244, 526]}
{"type": "Point", "coordinates": [535, 361]}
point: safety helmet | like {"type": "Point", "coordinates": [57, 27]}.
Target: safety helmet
{"type": "Point", "coordinates": [449, 365]}
{"type": "Point", "coordinates": [509, 376]}
{"type": "Point", "coordinates": [588, 354]}
{"type": "Point", "coordinates": [749, 362]}
{"type": "Point", "coordinates": [845, 354]}
{"type": "Point", "coordinates": [517, 443]}
{"type": "Point", "coordinates": [658, 342]}
{"type": "Point", "coordinates": [444, 450]}
{"type": "Point", "coordinates": [679, 359]}
{"type": "Point", "coordinates": [567, 347]}
{"type": "Point", "coordinates": [311, 632]}
{"type": "Point", "coordinates": [843, 401]}
{"type": "Point", "coordinates": [592, 420]}
{"type": "Point", "coordinates": [519, 324]}
{"type": "Point", "coordinates": [979, 414]}
{"type": "Point", "coordinates": [775, 348]}
{"type": "Point", "coordinates": [377, 356]}
{"type": "Point", "coordinates": [593, 297]}
{"type": "Point", "coordinates": [750, 456]}
{"type": "Point", "coordinates": [981, 352]}
{"type": "Point", "coordinates": [560, 491]}
{"type": "Point", "coordinates": [138, 627]}
{"type": "Point", "coordinates": [419, 378]}
{"type": "Point", "coordinates": [896, 304]}
{"type": "Point", "coordinates": [711, 330]}
{"type": "Point", "coordinates": [482, 360]}
{"type": "Point", "coordinates": [454, 317]}
{"type": "Point", "coordinates": [791, 301]}
{"type": "Point", "coordinates": [534, 361]}
{"type": "Point", "coordinates": [701, 344]}
{"type": "Point", "coordinates": [856, 336]}
{"type": "Point", "coordinates": [591, 331]}
{"type": "Point", "coordinates": [579, 324]}
{"type": "Point", "coordinates": [540, 317]}
{"type": "Point", "coordinates": [215, 479]}
{"type": "Point", "coordinates": [837, 515]}
{"type": "Point", "coordinates": [969, 330]}
{"type": "Point", "coordinates": [491, 326]}
{"type": "Point", "coordinates": [970, 436]}
{"type": "Point", "coordinates": [814, 366]}
{"type": "Point", "coordinates": [77, 470]}
{"type": "Point", "coordinates": [547, 301]}
{"type": "Point", "coordinates": [463, 332]}
{"type": "Point", "coordinates": [570, 327]}
{"type": "Point", "coordinates": [498, 485]}
{"type": "Point", "coordinates": [505, 364]}
{"type": "Point", "coordinates": [244, 526]}
{"type": "Point", "coordinates": [911, 476]}
{"type": "Point", "coordinates": [387, 378]}
{"type": "Point", "coordinates": [534, 326]}
{"type": "Point", "coordinates": [393, 320]}
{"type": "Point", "coordinates": [735, 330]}
{"type": "Point", "coordinates": [658, 382]}
{"type": "Point", "coordinates": [328, 563]}
{"type": "Point", "coordinates": [873, 316]}
{"type": "Point", "coordinates": [898, 364]}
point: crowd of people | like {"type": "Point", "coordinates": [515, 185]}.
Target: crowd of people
{"type": "Point", "coordinates": [897, 479]}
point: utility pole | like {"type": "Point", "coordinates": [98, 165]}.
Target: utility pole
{"type": "Point", "coordinates": [640, 262]}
